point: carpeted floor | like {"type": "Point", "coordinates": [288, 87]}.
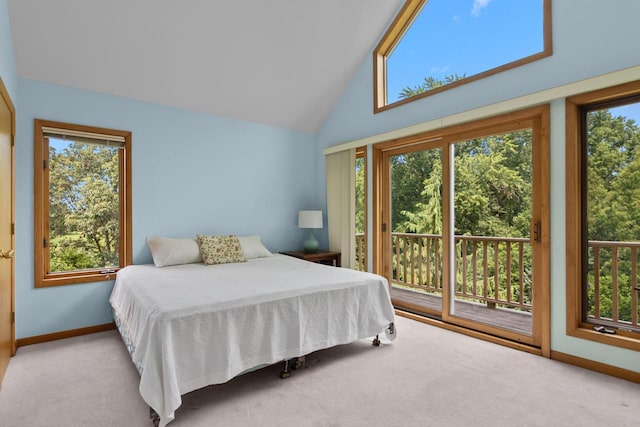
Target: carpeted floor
{"type": "Point", "coordinates": [427, 377]}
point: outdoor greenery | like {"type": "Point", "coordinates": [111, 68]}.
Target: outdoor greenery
{"type": "Point", "coordinates": [429, 83]}
{"type": "Point", "coordinates": [360, 195]}
{"type": "Point", "coordinates": [613, 201]}
{"type": "Point", "coordinates": [84, 206]}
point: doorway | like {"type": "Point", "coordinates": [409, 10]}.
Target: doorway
{"type": "Point", "coordinates": [7, 341]}
{"type": "Point", "coordinates": [464, 224]}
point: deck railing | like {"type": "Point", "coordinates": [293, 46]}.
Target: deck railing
{"type": "Point", "coordinates": [492, 270]}
{"type": "Point", "coordinates": [612, 283]}
{"type": "Point", "coordinates": [498, 271]}
{"type": "Point", "coordinates": [361, 252]}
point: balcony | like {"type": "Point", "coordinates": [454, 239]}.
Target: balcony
{"type": "Point", "coordinates": [493, 279]}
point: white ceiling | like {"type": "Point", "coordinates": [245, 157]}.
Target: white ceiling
{"type": "Point", "coordinates": [279, 62]}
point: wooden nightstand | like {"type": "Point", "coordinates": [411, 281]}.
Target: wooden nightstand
{"type": "Point", "coordinates": [321, 257]}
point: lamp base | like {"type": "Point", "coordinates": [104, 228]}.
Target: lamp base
{"type": "Point", "coordinates": [311, 245]}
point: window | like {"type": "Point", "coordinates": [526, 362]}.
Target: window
{"type": "Point", "coordinates": [361, 209]}
{"type": "Point", "coordinates": [434, 45]}
{"type": "Point", "coordinates": [82, 205]}
{"type": "Point", "coordinates": [603, 220]}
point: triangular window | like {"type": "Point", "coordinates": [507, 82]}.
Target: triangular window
{"type": "Point", "coordinates": [434, 45]}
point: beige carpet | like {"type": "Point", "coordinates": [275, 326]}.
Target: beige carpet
{"type": "Point", "coordinates": [427, 377]}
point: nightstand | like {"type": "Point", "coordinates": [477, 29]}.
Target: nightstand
{"type": "Point", "coordinates": [321, 257]}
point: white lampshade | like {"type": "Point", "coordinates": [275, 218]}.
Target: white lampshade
{"type": "Point", "coordinates": [309, 219]}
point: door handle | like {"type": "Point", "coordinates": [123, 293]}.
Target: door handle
{"type": "Point", "coordinates": [537, 231]}
{"type": "Point", "coordinates": [7, 254]}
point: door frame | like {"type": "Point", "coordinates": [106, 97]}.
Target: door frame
{"type": "Point", "coordinates": [442, 138]}
{"type": "Point", "coordinates": [6, 98]}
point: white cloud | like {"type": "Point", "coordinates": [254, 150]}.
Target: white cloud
{"type": "Point", "coordinates": [479, 5]}
{"type": "Point", "coordinates": [441, 70]}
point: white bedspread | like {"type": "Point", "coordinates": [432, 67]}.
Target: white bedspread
{"type": "Point", "coordinates": [194, 325]}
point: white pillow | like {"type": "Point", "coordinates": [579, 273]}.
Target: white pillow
{"type": "Point", "coordinates": [253, 248]}
{"type": "Point", "coordinates": [169, 251]}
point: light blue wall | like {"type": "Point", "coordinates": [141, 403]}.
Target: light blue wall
{"type": "Point", "coordinates": [589, 39]}
{"type": "Point", "coordinates": [7, 61]}
{"type": "Point", "coordinates": [192, 173]}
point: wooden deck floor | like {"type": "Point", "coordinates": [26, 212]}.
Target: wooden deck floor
{"type": "Point", "coordinates": [512, 320]}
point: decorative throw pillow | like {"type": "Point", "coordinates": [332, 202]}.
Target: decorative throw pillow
{"type": "Point", "coordinates": [168, 251]}
{"type": "Point", "coordinates": [252, 247]}
{"type": "Point", "coordinates": [220, 249]}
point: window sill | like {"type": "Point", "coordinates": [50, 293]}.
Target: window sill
{"type": "Point", "coordinates": [75, 278]}
{"type": "Point", "coordinates": [586, 332]}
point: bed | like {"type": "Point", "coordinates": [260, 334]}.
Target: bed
{"type": "Point", "coordinates": [192, 325]}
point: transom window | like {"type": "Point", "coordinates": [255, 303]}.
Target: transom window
{"type": "Point", "coordinates": [436, 44]}
{"type": "Point", "coordinates": [82, 203]}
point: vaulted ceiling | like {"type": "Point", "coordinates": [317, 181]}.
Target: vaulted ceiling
{"type": "Point", "coordinates": [279, 62]}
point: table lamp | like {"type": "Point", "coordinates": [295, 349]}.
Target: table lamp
{"type": "Point", "coordinates": [311, 220]}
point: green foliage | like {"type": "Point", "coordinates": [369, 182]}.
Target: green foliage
{"type": "Point", "coordinates": [429, 83]}
{"type": "Point", "coordinates": [69, 253]}
{"type": "Point", "coordinates": [492, 188]}
{"type": "Point", "coordinates": [613, 211]}
{"type": "Point", "coordinates": [493, 185]}
{"type": "Point", "coordinates": [360, 195]}
{"type": "Point", "coordinates": [84, 207]}
{"type": "Point", "coordinates": [408, 175]}
{"type": "Point", "coordinates": [613, 177]}
{"type": "Point", "coordinates": [427, 216]}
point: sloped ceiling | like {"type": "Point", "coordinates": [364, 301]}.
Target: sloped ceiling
{"type": "Point", "coordinates": [279, 62]}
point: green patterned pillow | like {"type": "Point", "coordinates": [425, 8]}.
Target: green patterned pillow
{"type": "Point", "coordinates": [220, 249]}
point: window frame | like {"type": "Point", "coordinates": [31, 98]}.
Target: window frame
{"type": "Point", "coordinates": [576, 218]}
{"type": "Point", "coordinates": [43, 278]}
{"type": "Point", "coordinates": [403, 20]}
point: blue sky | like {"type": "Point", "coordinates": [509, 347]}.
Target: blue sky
{"type": "Point", "coordinates": [631, 111]}
{"type": "Point", "coordinates": [464, 37]}
{"type": "Point", "coordinates": [58, 144]}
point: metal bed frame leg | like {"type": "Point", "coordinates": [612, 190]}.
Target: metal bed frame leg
{"type": "Point", "coordinates": [297, 363]}
{"type": "Point", "coordinates": [392, 331]}
{"type": "Point", "coordinates": [285, 372]}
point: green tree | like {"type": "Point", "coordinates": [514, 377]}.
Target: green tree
{"type": "Point", "coordinates": [429, 83]}
{"type": "Point", "coordinates": [613, 177]}
{"type": "Point", "coordinates": [427, 215]}
{"type": "Point", "coordinates": [492, 187]}
{"type": "Point", "coordinates": [360, 196]}
{"type": "Point", "coordinates": [84, 206]}
{"type": "Point", "coordinates": [613, 207]}
{"type": "Point", "coordinates": [408, 174]}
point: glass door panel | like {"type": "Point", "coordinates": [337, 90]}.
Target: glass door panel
{"type": "Point", "coordinates": [415, 254]}
{"type": "Point", "coordinates": [491, 248]}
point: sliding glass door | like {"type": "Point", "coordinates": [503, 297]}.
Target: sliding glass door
{"type": "Point", "coordinates": [465, 225]}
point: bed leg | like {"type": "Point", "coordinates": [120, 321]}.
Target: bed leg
{"type": "Point", "coordinates": [298, 362]}
{"type": "Point", "coordinates": [285, 372]}
{"type": "Point", "coordinates": [376, 341]}
{"type": "Point", "coordinates": [295, 363]}
{"type": "Point", "coordinates": [155, 418]}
